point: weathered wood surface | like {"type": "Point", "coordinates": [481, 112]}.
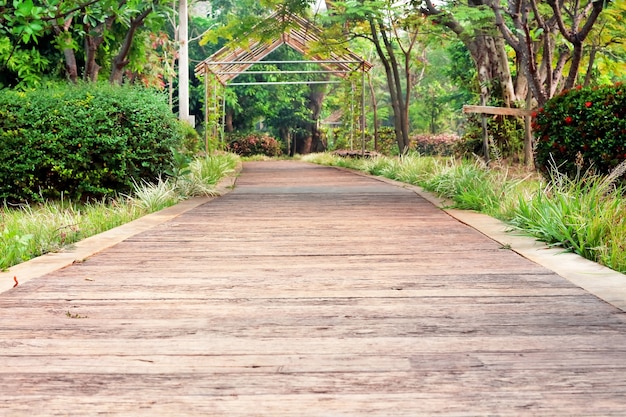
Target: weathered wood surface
{"type": "Point", "coordinates": [309, 291]}
{"type": "Point", "coordinates": [502, 111]}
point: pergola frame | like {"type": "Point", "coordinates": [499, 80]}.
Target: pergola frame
{"type": "Point", "coordinates": [231, 61]}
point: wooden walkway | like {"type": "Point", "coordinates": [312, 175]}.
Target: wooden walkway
{"type": "Point", "coordinates": [309, 291]}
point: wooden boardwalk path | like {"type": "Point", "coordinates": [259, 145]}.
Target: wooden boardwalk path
{"type": "Point", "coordinates": [309, 291]}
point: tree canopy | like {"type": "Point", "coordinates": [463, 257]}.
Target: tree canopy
{"type": "Point", "coordinates": [431, 57]}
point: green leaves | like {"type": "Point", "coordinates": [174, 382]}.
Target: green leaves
{"type": "Point", "coordinates": [82, 141]}
{"type": "Point", "coordinates": [25, 21]}
{"type": "Point", "coordinates": [14, 247]}
{"type": "Point", "coordinates": [582, 129]}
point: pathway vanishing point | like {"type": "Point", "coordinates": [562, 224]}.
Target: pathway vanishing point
{"type": "Point", "coordinates": [309, 291]}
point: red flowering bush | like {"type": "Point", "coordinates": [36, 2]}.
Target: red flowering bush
{"type": "Point", "coordinates": [249, 144]}
{"type": "Point", "coordinates": [582, 129]}
{"type": "Point", "coordinates": [442, 145]}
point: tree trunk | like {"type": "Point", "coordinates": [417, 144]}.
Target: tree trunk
{"type": "Point", "coordinates": [315, 100]}
{"type": "Point", "coordinates": [228, 121]}
{"type": "Point", "coordinates": [487, 51]}
{"type": "Point", "coordinates": [92, 43]}
{"type": "Point", "coordinates": [71, 67]}
{"type": "Point", "coordinates": [492, 64]}
{"type": "Point", "coordinates": [374, 110]}
{"type": "Point", "coordinates": [121, 59]}
{"type": "Point", "coordinates": [395, 90]}
{"type": "Point", "coordinates": [91, 66]}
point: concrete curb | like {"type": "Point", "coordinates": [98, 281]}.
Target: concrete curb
{"type": "Point", "coordinates": [85, 248]}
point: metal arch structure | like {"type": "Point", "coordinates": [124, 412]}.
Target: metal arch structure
{"type": "Point", "coordinates": [237, 57]}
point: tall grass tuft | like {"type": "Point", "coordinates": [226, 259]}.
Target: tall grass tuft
{"type": "Point", "coordinates": [469, 186]}
{"type": "Point", "coordinates": [152, 197]}
{"type": "Point", "coordinates": [585, 216]}
{"type": "Point", "coordinates": [29, 231]}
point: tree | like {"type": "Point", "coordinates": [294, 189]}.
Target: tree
{"type": "Point", "coordinates": [534, 31]}
{"type": "Point", "coordinates": [475, 28]}
{"type": "Point", "coordinates": [394, 31]}
{"type": "Point", "coordinates": [532, 37]}
{"type": "Point", "coordinates": [133, 16]}
{"type": "Point", "coordinates": [94, 33]}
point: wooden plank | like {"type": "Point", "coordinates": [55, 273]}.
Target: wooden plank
{"type": "Point", "coordinates": [309, 291]}
{"type": "Point", "coordinates": [502, 111]}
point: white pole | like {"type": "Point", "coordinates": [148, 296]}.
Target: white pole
{"type": "Point", "coordinates": [183, 62]}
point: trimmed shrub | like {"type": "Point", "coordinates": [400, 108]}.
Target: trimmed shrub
{"type": "Point", "coordinates": [249, 144]}
{"type": "Point", "coordinates": [441, 145]}
{"type": "Point", "coordinates": [582, 129]}
{"type": "Point", "coordinates": [81, 142]}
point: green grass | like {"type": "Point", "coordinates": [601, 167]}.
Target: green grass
{"type": "Point", "coordinates": [586, 216]}
{"type": "Point", "coordinates": [28, 231]}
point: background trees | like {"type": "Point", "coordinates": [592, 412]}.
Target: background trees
{"type": "Point", "coordinates": [431, 57]}
{"type": "Point", "coordinates": [77, 39]}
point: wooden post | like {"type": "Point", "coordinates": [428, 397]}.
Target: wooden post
{"type": "Point", "coordinates": [528, 134]}
{"type": "Point", "coordinates": [206, 111]}
{"type": "Point", "coordinates": [483, 120]}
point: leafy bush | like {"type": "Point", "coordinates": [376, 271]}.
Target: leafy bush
{"type": "Point", "coordinates": [506, 137]}
{"type": "Point", "coordinates": [82, 141]}
{"type": "Point", "coordinates": [191, 143]}
{"type": "Point", "coordinates": [442, 145]}
{"type": "Point", "coordinates": [582, 129]}
{"type": "Point", "coordinates": [387, 144]}
{"type": "Point", "coordinates": [249, 144]}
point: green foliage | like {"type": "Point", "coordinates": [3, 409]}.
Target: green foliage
{"type": "Point", "coordinates": [24, 22]}
{"type": "Point", "coordinates": [14, 247]}
{"type": "Point", "coordinates": [190, 139]}
{"type": "Point", "coordinates": [582, 129]}
{"type": "Point", "coordinates": [248, 144]}
{"type": "Point", "coordinates": [179, 165]}
{"type": "Point", "coordinates": [583, 215]}
{"type": "Point", "coordinates": [25, 67]}
{"type": "Point", "coordinates": [82, 141]}
{"type": "Point", "coordinates": [387, 143]}
{"type": "Point", "coordinates": [506, 137]}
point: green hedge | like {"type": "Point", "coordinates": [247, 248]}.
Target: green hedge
{"type": "Point", "coordinates": [82, 141]}
{"type": "Point", "coordinates": [582, 129]}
